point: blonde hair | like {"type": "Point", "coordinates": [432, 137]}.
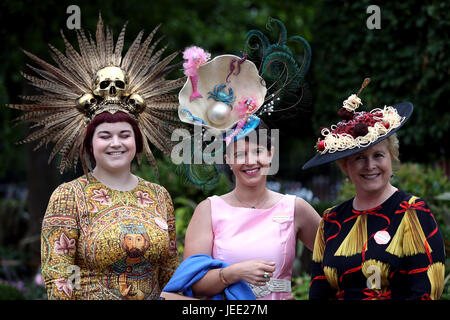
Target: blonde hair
{"type": "Point", "coordinates": [393, 148]}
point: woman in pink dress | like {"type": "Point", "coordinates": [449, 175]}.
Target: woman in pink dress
{"type": "Point", "coordinates": [251, 228]}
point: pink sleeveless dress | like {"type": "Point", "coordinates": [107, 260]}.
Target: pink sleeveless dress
{"type": "Point", "coordinates": [241, 234]}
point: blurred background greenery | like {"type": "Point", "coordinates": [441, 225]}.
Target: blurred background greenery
{"type": "Point", "coordinates": [406, 58]}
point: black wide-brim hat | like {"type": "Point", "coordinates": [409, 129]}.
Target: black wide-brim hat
{"type": "Point", "coordinates": [404, 109]}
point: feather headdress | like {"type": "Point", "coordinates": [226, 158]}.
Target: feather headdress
{"type": "Point", "coordinates": [98, 79]}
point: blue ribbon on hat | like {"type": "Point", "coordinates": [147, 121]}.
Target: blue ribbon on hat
{"type": "Point", "coordinates": [250, 125]}
{"type": "Point", "coordinates": [192, 117]}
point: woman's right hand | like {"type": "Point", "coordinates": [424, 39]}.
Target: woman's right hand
{"type": "Point", "coordinates": [251, 271]}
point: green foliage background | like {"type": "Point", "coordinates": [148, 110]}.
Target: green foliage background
{"type": "Point", "coordinates": [407, 60]}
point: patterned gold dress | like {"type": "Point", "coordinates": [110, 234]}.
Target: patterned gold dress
{"type": "Point", "coordinates": [393, 251]}
{"type": "Point", "coordinates": [100, 243]}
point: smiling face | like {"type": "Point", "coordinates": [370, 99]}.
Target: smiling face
{"type": "Point", "coordinates": [114, 146]}
{"type": "Point", "coordinates": [249, 161]}
{"type": "Point", "coordinates": [370, 170]}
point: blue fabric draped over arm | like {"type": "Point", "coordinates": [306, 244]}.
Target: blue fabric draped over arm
{"type": "Point", "coordinates": [194, 268]}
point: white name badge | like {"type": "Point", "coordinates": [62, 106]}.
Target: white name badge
{"type": "Point", "coordinates": [382, 237]}
{"type": "Point", "coordinates": [281, 217]}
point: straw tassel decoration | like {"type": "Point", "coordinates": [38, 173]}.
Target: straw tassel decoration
{"type": "Point", "coordinates": [319, 244]}
{"type": "Point", "coordinates": [355, 240]}
{"type": "Point", "coordinates": [332, 277]}
{"type": "Point", "coordinates": [436, 273]}
{"type": "Point", "coordinates": [382, 267]}
{"type": "Point", "coordinates": [409, 239]}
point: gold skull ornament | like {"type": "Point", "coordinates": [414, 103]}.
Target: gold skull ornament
{"type": "Point", "coordinates": [136, 103]}
{"type": "Point", "coordinates": [85, 102]}
{"type": "Point", "coordinates": [111, 84]}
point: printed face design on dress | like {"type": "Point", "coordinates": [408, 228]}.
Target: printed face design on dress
{"type": "Point", "coordinates": [134, 240]}
{"type": "Point", "coordinates": [134, 245]}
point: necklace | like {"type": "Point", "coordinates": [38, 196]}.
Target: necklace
{"type": "Point", "coordinates": [250, 205]}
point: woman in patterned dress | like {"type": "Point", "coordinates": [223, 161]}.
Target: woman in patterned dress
{"type": "Point", "coordinates": [111, 234]}
{"type": "Point", "coordinates": [108, 234]}
{"type": "Point", "coordinates": [383, 243]}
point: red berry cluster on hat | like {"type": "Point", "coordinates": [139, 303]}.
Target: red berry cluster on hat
{"type": "Point", "coordinates": [353, 123]}
{"type": "Point", "coordinates": [359, 124]}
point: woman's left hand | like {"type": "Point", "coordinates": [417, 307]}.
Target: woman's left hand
{"type": "Point", "coordinates": [291, 297]}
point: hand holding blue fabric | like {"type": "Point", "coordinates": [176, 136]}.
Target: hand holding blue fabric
{"type": "Point", "coordinates": [194, 268]}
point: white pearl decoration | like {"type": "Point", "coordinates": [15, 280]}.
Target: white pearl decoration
{"type": "Point", "coordinates": [219, 113]}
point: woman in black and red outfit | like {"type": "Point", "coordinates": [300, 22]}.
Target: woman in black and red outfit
{"type": "Point", "coordinates": [384, 243]}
